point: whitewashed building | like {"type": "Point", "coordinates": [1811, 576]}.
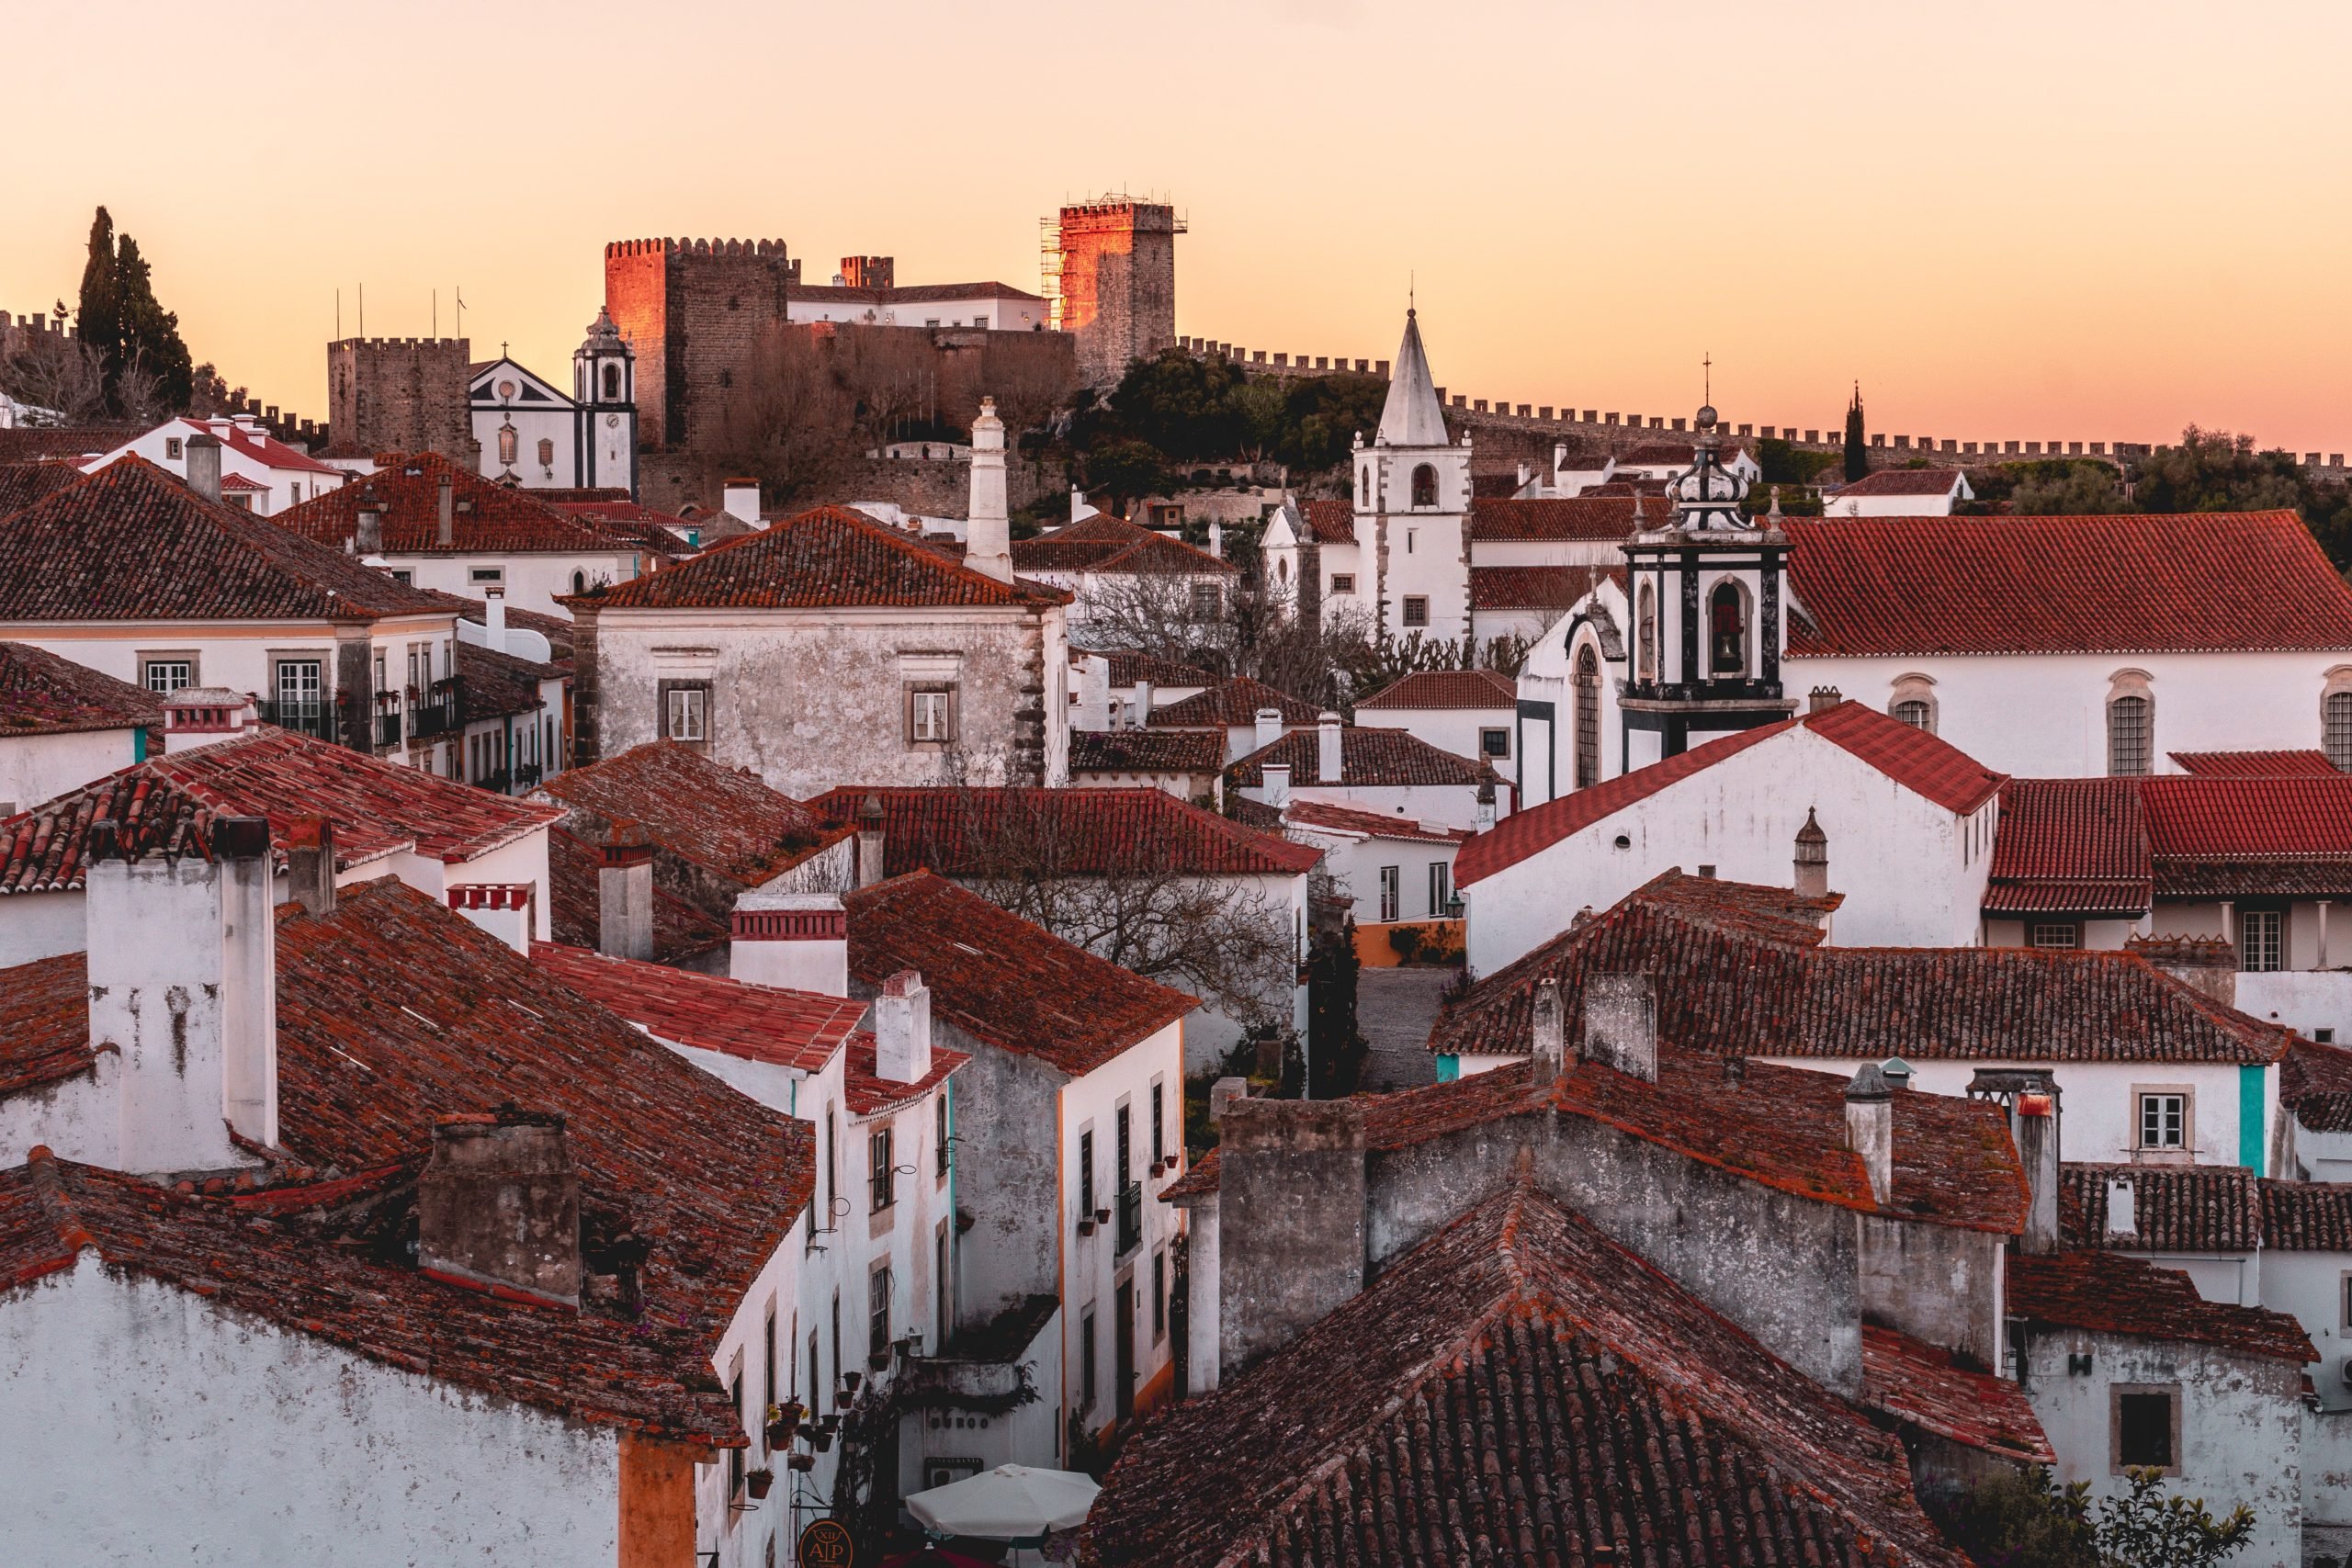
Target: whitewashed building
{"type": "Point", "coordinates": [1388, 868]}
{"type": "Point", "coordinates": [535, 435]}
{"type": "Point", "coordinates": [1900, 492]}
{"type": "Point", "coordinates": [1471, 713]}
{"type": "Point", "coordinates": [64, 724]}
{"type": "Point", "coordinates": [255, 472]}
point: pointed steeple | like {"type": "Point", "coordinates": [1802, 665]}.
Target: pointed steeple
{"type": "Point", "coordinates": [1412, 416]}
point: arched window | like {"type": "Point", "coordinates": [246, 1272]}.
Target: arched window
{"type": "Point", "coordinates": [1726, 629]}
{"type": "Point", "coordinates": [2129, 735]}
{"type": "Point", "coordinates": [547, 453]}
{"type": "Point", "coordinates": [1367, 486]}
{"type": "Point", "coordinates": [1282, 570]}
{"type": "Point", "coordinates": [1914, 702]}
{"type": "Point", "coordinates": [2335, 718]}
{"type": "Point", "coordinates": [1424, 486]}
{"type": "Point", "coordinates": [1645, 635]}
{"type": "Point", "coordinates": [1914, 712]}
{"type": "Point", "coordinates": [612, 383]}
{"type": "Point", "coordinates": [507, 443]}
{"type": "Point", "coordinates": [580, 582]}
{"type": "Point", "coordinates": [1588, 717]}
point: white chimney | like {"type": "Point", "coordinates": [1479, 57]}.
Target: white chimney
{"type": "Point", "coordinates": [445, 511]}
{"type": "Point", "coordinates": [1216, 539]}
{"type": "Point", "coordinates": [1077, 503]}
{"type": "Point", "coordinates": [625, 892]}
{"type": "Point", "coordinates": [1142, 710]}
{"type": "Point", "coordinates": [987, 535]}
{"type": "Point", "coordinates": [1620, 1023]}
{"type": "Point", "coordinates": [902, 1029]}
{"type": "Point", "coordinates": [505, 910]}
{"type": "Point", "coordinates": [201, 716]}
{"type": "Point", "coordinates": [741, 500]}
{"type": "Point", "coordinates": [1328, 767]}
{"type": "Point", "coordinates": [1484, 809]}
{"type": "Point", "coordinates": [797, 940]}
{"type": "Point", "coordinates": [1270, 728]}
{"type": "Point", "coordinates": [1870, 1127]}
{"type": "Point", "coordinates": [1277, 785]}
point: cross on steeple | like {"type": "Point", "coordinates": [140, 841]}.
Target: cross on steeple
{"type": "Point", "coordinates": [1707, 376]}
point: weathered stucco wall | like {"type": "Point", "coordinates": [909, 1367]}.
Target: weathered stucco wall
{"type": "Point", "coordinates": [1934, 1282]}
{"type": "Point", "coordinates": [37, 768]}
{"type": "Point", "coordinates": [1006, 1180]}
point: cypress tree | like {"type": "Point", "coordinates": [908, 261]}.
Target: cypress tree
{"type": "Point", "coordinates": [150, 334]}
{"type": "Point", "coordinates": [100, 317]}
{"type": "Point", "coordinates": [1858, 456]}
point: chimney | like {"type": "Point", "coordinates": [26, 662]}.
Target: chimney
{"type": "Point", "coordinates": [1550, 1042]}
{"type": "Point", "coordinates": [368, 538]}
{"type": "Point", "coordinates": [1291, 1222]}
{"type": "Point", "coordinates": [204, 466]}
{"type": "Point", "coordinates": [870, 861]}
{"type": "Point", "coordinates": [798, 941]}
{"type": "Point", "coordinates": [1822, 699]}
{"type": "Point", "coordinates": [2030, 1095]}
{"type": "Point", "coordinates": [988, 535]}
{"type": "Point", "coordinates": [1812, 858]}
{"type": "Point", "coordinates": [1276, 788]}
{"type": "Point", "coordinates": [1216, 539]}
{"type": "Point", "coordinates": [625, 892]}
{"type": "Point", "coordinates": [445, 510]}
{"type": "Point", "coordinates": [498, 1206]}
{"type": "Point", "coordinates": [1224, 1092]}
{"type": "Point", "coordinates": [1484, 810]}
{"type": "Point", "coordinates": [493, 618]}
{"type": "Point", "coordinates": [2208, 965]}
{"type": "Point", "coordinates": [309, 863]}
{"type": "Point", "coordinates": [1270, 728]}
{"type": "Point", "coordinates": [1328, 767]}
{"type": "Point", "coordinates": [1620, 1023]}
{"type": "Point", "coordinates": [1142, 715]}
{"type": "Point", "coordinates": [902, 1029]}
{"type": "Point", "coordinates": [1870, 1128]}
{"type": "Point", "coordinates": [201, 716]}
{"type": "Point", "coordinates": [182, 955]}
{"type": "Point", "coordinates": [739, 498]}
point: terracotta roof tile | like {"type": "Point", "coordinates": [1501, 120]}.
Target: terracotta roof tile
{"type": "Point", "coordinates": [1369, 758]}
{"type": "Point", "coordinates": [1521, 1382]}
{"type": "Point", "coordinates": [1673, 454]}
{"type": "Point", "coordinates": [1145, 750]}
{"type": "Point", "coordinates": [2255, 764]}
{"type": "Point", "coordinates": [1231, 703]}
{"type": "Point", "coordinates": [1535, 587]}
{"type": "Point", "coordinates": [44, 1023]}
{"type": "Point", "coordinates": [1902, 481]}
{"type": "Point", "coordinates": [1083, 832]}
{"type": "Point", "coordinates": [1001, 980]}
{"type": "Point", "coordinates": [1126, 669]}
{"type": "Point", "coordinates": [1938, 1392]}
{"type": "Point", "coordinates": [485, 517]}
{"type": "Point", "coordinates": [867, 1094]}
{"type": "Point", "coordinates": [576, 902]}
{"type": "Point", "coordinates": [32, 443]}
{"type": "Point", "coordinates": [1557, 519]}
{"type": "Point", "coordinates": [1106, 544]}
{"type": "Point", "coordinates": [498, 685]}
{"type": "Point", "coordinates": [2112, 845]}
{"type": "Point", "coordinates": [2105, 1292]}
{"type": "Point", "coordinates": [722, 820]}
{"type": "Point", "coordinates": [2177, 583]}
{"type": "Point", "coordinates": [21, 484]}
{"type": "Point", "coordinates": [760, 1023]}
{"type": "Point", "coordinates": [1330, 521]}
{"type": "Point", "coordinates": [2075, 846]}
{"type": "Point", "coordinates": [2307, 1216]}
{"type": "Point", "coordinates": [1912, 758]}
{"type": "Point", "coordinates": [1444, 689]}
{"type": "Point", "coordinates": [2175, 1208]}
{"type": "Point", "coordinates": [1374, 824]}
{"type": "Point", "coordinates": [42, 693]}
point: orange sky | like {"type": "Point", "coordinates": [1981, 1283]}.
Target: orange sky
{"type": "Point", "coordinates": [2067, 219]}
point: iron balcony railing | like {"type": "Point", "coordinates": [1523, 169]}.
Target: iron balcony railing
{"type": "Point", "coordinates": [316, 718]}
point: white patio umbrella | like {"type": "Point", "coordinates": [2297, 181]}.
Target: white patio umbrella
{"type": "Point", "coordinates": [1012, 1502]}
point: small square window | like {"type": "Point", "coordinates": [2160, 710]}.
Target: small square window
{"type": "Point", "coordinates": [2163, 1121]}
{"type": "Point", "coordinates": [689, 714]}
{"type": "Point", "coordinates": [2323, 1037]}
{"type": "Point", "coordinates": [2054, 933]}
{"type": "Point", "coordinates": [2146, 1428]}
{"type": "Point", "coordinates": [488, 574]}
{"type": "Point", "coordinates": [1494, 742]}
{"type": "Point", "coordinates": [168, 675]}
{"type": "Point", "coordinates": [1344, 582]}
{"type": "Point", "coordinates": [1416, 610]}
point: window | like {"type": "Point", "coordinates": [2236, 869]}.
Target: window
{"type": "Point", "coordinates": [1388, 885]}
{"type": "Point", "coordinates": [735, 1456]}
{"type": "Point", "coordinates": [1159, 1296]}
{"type": "Point", "coordinates": [687, 714]}
{"type": "Point", "coordinates": [940, 1107]}
{"type": "Point", "coordinates": [1912, 701]}
{"type": "Point", "coordinates": [168, 675]}
{"type": "Point", "coordinates": [2054, 933]}
{"type": "Point", "coordinates": [508, 439]}
{"type": "Point", "coordinates": [2258, 940]}
{"type": "Point", "coordinates": [2128, 736]}
{"type": "Point", "coordinates": [1726, 630]}
{"type": "Point", "coordinates": [298, 688]}
{"type": "Point", "coordinates": [2145, 1426]}
{"type": "Point", "coordinates": [2335, 731]}
{"type": "Point", "coordinates": [1123, 1144]}
{"type": "Point", "coordinates": [1494, 742]}
{"type": "Point", "coordinates": [1587, 738]}
{"type": "Point", "coordinates": [240, 499]}
{"type": "Point", "coordinates": [946, 1319]}
{"type": "Point", "coordinates": [1416, 610]}
{"type": "Point", "coordinates": [830, 1194]}
{"type": "Point", "coordinates": [175, 448]}
{"type": "Point", "coordinates": [1158, 1123]}
{"type": "Point", "coordinates": [1085, 1359]}
{"type": "Point", "coordinates": [1367, 490]}
{"type": "Point", "coordinates": [547, 453]}
{"type": "Point", "coordinates": [580, 582]}
{"type": "Point", "coordinates": [1424, 485]}
{"type": "Point", "coordinates": [2164, 1120]}
{"type": "Point", "coordinates": [405, 577]}
{"type": "Point", "coordinates": [816, 1374]}
{"type": "Point", "coordinates": [931, 715]}
{"type": "Point", "coordinates": [612, 383]}
{"type": "Point", "coordinates": [1645, 635]}
{"type": "Point", "coordinates": [837, 1335]}
{"type": "Point", "coordinates": [1206, 602]}
{"type": "Point", "coordinates": [1344, 582]}
{"type": "Point", "coordinates": [768, 1384]}
{"type": "Point", "coordinates": [878, 1312]}
{"type": "Point", "coordinates": [491, 574]}
{"type": "Point", "coordinates": [1441, 890]}
{"type": "Point", "coordinates": [883, 1188]}
{"type": "Point", "coordinates": [1913, 711]}
{"type": "Point", "coordinates": [1086, 1174]}
{"type": "Point", "coordinates": [2343, 1285]}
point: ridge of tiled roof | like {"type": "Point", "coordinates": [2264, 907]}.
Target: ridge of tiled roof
{"type": "Point", "coordinates": [257, 444]}
{"type": "Point", "coordinates": [486, 517]}
{"type": "Point", "coordinates": [1126, 668]}
{"type": "Point", "coordinates": [1145, 750]}
{"type": "Point", "coordinates": [825, 559]}
{"type": "Point", "coordinates": [723, 819]}
{"type": "Point", "coordinates": [1931, 768]}
{"type": "Point", "coordinates": [1939, 1391]}
{"type": "Point", "coordinates": [999, 979]}
{"type": "Point", "coordinates": [1902, 481]}
{"type": "Point", "coordinates": [1757, 989]}
{"type": "Point", "coordinates": [492, 684]}
{"type": "Point", "coordinates": [44, 694]}
{"type": "Point", "coordinates": [1227, 704]}
{"type": "Point", "coordinates": [2139, 583]}
{"type": "Point", "coordinates": [2114, 844]}
{"type": "Point", "coordinates": [2107, 1292]}
{"type": "Point", "coordinates": [1535, 587]}
{"type": "Point", "coordinates": [1372, 824]}
{"type": "Point", "coordinates": [1079, 833]}
{"type": "Point", "coordinates": [21, 484]}
{"type": "Point", "coordinates": [131, 543]}
{"type": "Point", "coordinates": [2313, 763]}
{"type": "Point", "coordinates": [759, 1023]}
{"type": "Point", "coordinates": [35, 443]}
{"type": "Point", "coordinates": [1103, 543]}
{"type": "Point", "coordinates": [1330, 520]}
{"type": "Point", "coordinates": [1499, 1382]}
{"type": "Point", "coordinates": [576, 902]}
{"type": "Point", "coordinates": [45, 1024]}
{"type": "Point", "coordinates": [1552, 519]}
{"type": "Point", "coordinates": [167, 804]}
{"type": "Point", "coordinates": [294, 1256]}
{"type": "Point", "coordinates": [1368, 756]}
{"type": "Point", "coordinates": [1444, 689]}
{"type": "Point", "coordinates": [2176, 1208]}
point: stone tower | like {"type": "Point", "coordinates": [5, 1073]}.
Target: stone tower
{"type": "Point", "coordinates": [393, 394]}
{"type": "Point", "coordinates": [1412, 507]}
{"type": "Point", "coordinates": [1118, 283]}
{"type": "Point", "coordinates": [694, 312]}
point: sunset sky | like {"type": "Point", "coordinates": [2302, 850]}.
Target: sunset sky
{"type": "Point", "coordinates": [2064, 219]}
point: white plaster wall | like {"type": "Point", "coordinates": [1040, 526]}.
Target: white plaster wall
{"type": "Point", "coordinates": [1888, 506]}
{"type": "Point", "coordinates": [1204, 1298]}
{"type": "Point", "coordinates": [2308, 1288]}
{"type": "Point", "coordinates": [1913, 874]}
{"type": "Point", "coordinates": [2327, 1482]}
{"type": "Point", "coordinates": [2046, 715]}
{"type": "Point", "coordinates": [39, 925]}
{"type": "Point", "coordinates": [80, 1119]}
{"type": "Point", "coordinates": [533, 423]}
{"type": "Point", "coordinates": [2304, 1000]}
{"type": "Point", "coordinates": [1002, 313]}
{"type": "Point", "coordinates": [1545, 752]}
{"type": "Point", "coordinates": [532, 581]}
{"type": "Point", "coordinates": [239, 655]}
{"type": "Point", "coordinates": [1449, 806]}
{"type": "Point", "coordinates": [286, 488]}
{"type": "Point", "coordinates": [1451, 729]}
{"type": "Point", "coordinates": [146, 1425]}
{"type": "Point", "coordinates": [38, 768]}
{"type": "Point", "coordinates": [523, 860]}
{"type": "Point", "coordinates": [1355, 864]}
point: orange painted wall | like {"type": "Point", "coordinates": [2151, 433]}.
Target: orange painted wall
{"type": "Point", "coordinates": [657, 1503]}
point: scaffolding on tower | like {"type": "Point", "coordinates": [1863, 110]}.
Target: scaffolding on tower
{"type": "Point", "coordinates": [1049, 269]}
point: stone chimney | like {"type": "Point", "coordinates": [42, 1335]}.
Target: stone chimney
{"type": "Point", "coordinates": [1870, 1128]}
{"type": "Point", "coordinates": [740, 499]}
{"type": "Point", "coordinates": [988, 534]}
{"type": "Point", "coordinates": [1291, 1221]}
{"type": "Point", "coordinates": [1276, 787]}
{"type": "Point", "coordinates": [498, 1206]}
{"type": "Point", "coordinates": [445, 511]}
{"type": "Point", "coordinates": [183, 975]}
{"type": "Point", "coordinates": [1812, 858]}
{"type": "Point", "coordinates": [368, 536]}
{"type": "Point", "coordinates": [2030, 1095]}
{"type": "Point", "coordinates": [2206, 964]}
{"type": "Point", "coordinates": [1330, 768]}
{"type": "Point", "coordinates": [204, 466]}
{"type": "Point", "coordinates": [902, 1029]}
{"type": "Point", "coordinates": [1620, 1023]}
{"type": "Point", "coordinates": [1224, 1092]}
{"type": "Point", "coordinates": [1270, 728]}
{"type": "Point", "coordinates": [202, 716]}
{"type": "Point", "coordinates": [1822, 699]}
{"type": "Point", "coordinates": [625, 892]}
{"type": "Point", "coordinates": [1549, 1036]}
{"type": "Point", "coordinates": [798, 941]}
{"type": "Point", "coordinates": [309, 863]}
{"type": "Point", "coordinates": [870, 843]}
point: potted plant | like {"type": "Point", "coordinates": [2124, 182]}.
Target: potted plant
{"type": "Point", "coordinates": [1086, 1226]}
{"type": "Point", "coordinates": [821, 1439]}
{"type": "Point", "coordinates": [802, 1462]}
{"type": "Point", "coordinates": [850, 1382]}
{"type": "Point", "coordinates": [783, 1421]}
{"type": "Point", "coordinates": [757, 1482]}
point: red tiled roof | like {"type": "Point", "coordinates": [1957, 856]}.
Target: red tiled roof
{"type": "Point", "coordinates": [1145, 751]}
{"type": "Point", "coordinates": [2105, 1292]}
{"type": "Point", "coordinates": [44, 1023]}
{"type": "Point", "coordinates": [722, 820]}
{"type": "Point", "coordinates": [1126, 669]}
{"type": "Point", "coordinates": [1372, 824]}
{"type": "Point", "coordinates": [310, 1257]}
{"type": "Point", "coordinates": [1229, 703]}
{"type": "Point", "coordinates": [133, 544]}
{"type": "Point", "coordinates": [42, 693]}
{"type": "Point", "coordinates": [1330, 521]}
{"type": "Point", "coordinates": [168, 804]}
{"type": "Point", "coordinates": [21, 484]}
{"type": "Point", "coordinates": [33, 442]}
{"type": "Point", "coordinates": [1761, 987]}
{"type": "Point", "coordinates": [2211, 818]}
{"type": "Point", "coordinates": [1444, 689]}
{"type": "Point", "coordinates": [825, 559]}
{"type": "Point", "coordinates": [2077, 846]}
{"type": "Point", "coordinates": [485, 518]}
{"type": "Point", "coordinates": [576, 903]}
{"type": "Point", "coordinates": [1903, 481]}
{"type": "Point", "coordinates": [1935, 1391]}
{"type": "Point", "coordinates": [1675, 454]}
{"type": "Point", "coordinates": [1001, 980]}
{"type": "Point", "coordinates": [2112, 845]}
{"type": "Point", "coordinates": [1517, 1389]}
{"type": "Point", "coordinates": [1929, 767]}
{"type": "Point", "coordinates": [1552, 519]}
{"type": "Point", "coordinates": [2178, 582]}
{"type": "Point", "coordinates": [1368, 758]}
{"type": "Point", "coordinates": [239, 482]}
{"type": "Point", "coordinates": [1103, 543]}
{"type": "Point", "coordinates": [2175, 1208]}
{"type": "Point", "coordinates": [867, 1094]}
{"type": "Point", "coordinates": [2255, 764]}
{"type": "Point", "coordinates": [1534, 587]}
{"type": "Point", "coordinates": [1079, 833]}
{"type": "Point", "coordinates": [2307, 1216]}
{"type": "Point", "coordinates": [259, 447]}
{"type": "Point", "coordinates": [710, 1012]}
{"type": "Point", "coordinates": [498, 685]}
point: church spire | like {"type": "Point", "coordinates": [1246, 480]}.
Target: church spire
{"type": "Point", "coordinates": [1412, 416]}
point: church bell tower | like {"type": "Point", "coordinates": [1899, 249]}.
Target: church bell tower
{"type": "Point", "coordinates": [603, 385]}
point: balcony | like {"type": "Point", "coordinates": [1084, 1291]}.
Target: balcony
{"type": "Point", "coordinates": [314, 719]}
{"type": "Point", "coordinates": [1130, 1216]}
{"type": "Point", "coordinates": [436, 714]}
{"type": "Point", "coordinates": [388, 729]}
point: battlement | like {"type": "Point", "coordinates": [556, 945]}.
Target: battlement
{"type": "Point", "coordinates": [446, 345]}
{"type": "Point", "coordinates": [617, 249]}
{"type": "Point", "coordinates": [1122, 212]}
{"type": "Point", "coordinates": [36, 321]}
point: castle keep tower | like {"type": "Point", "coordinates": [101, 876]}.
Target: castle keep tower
{"type": "Point", "coordinates": [393, 394]}
{"type": "Point", "coordinates": [1118, 283]}
{"type": "Point", "coordinates": [693, 311]}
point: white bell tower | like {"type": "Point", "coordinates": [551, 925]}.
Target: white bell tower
{"type": "Point", "coordinates": [603, 385]}
{"type": "Point", "coordinates": [1412, 507]}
